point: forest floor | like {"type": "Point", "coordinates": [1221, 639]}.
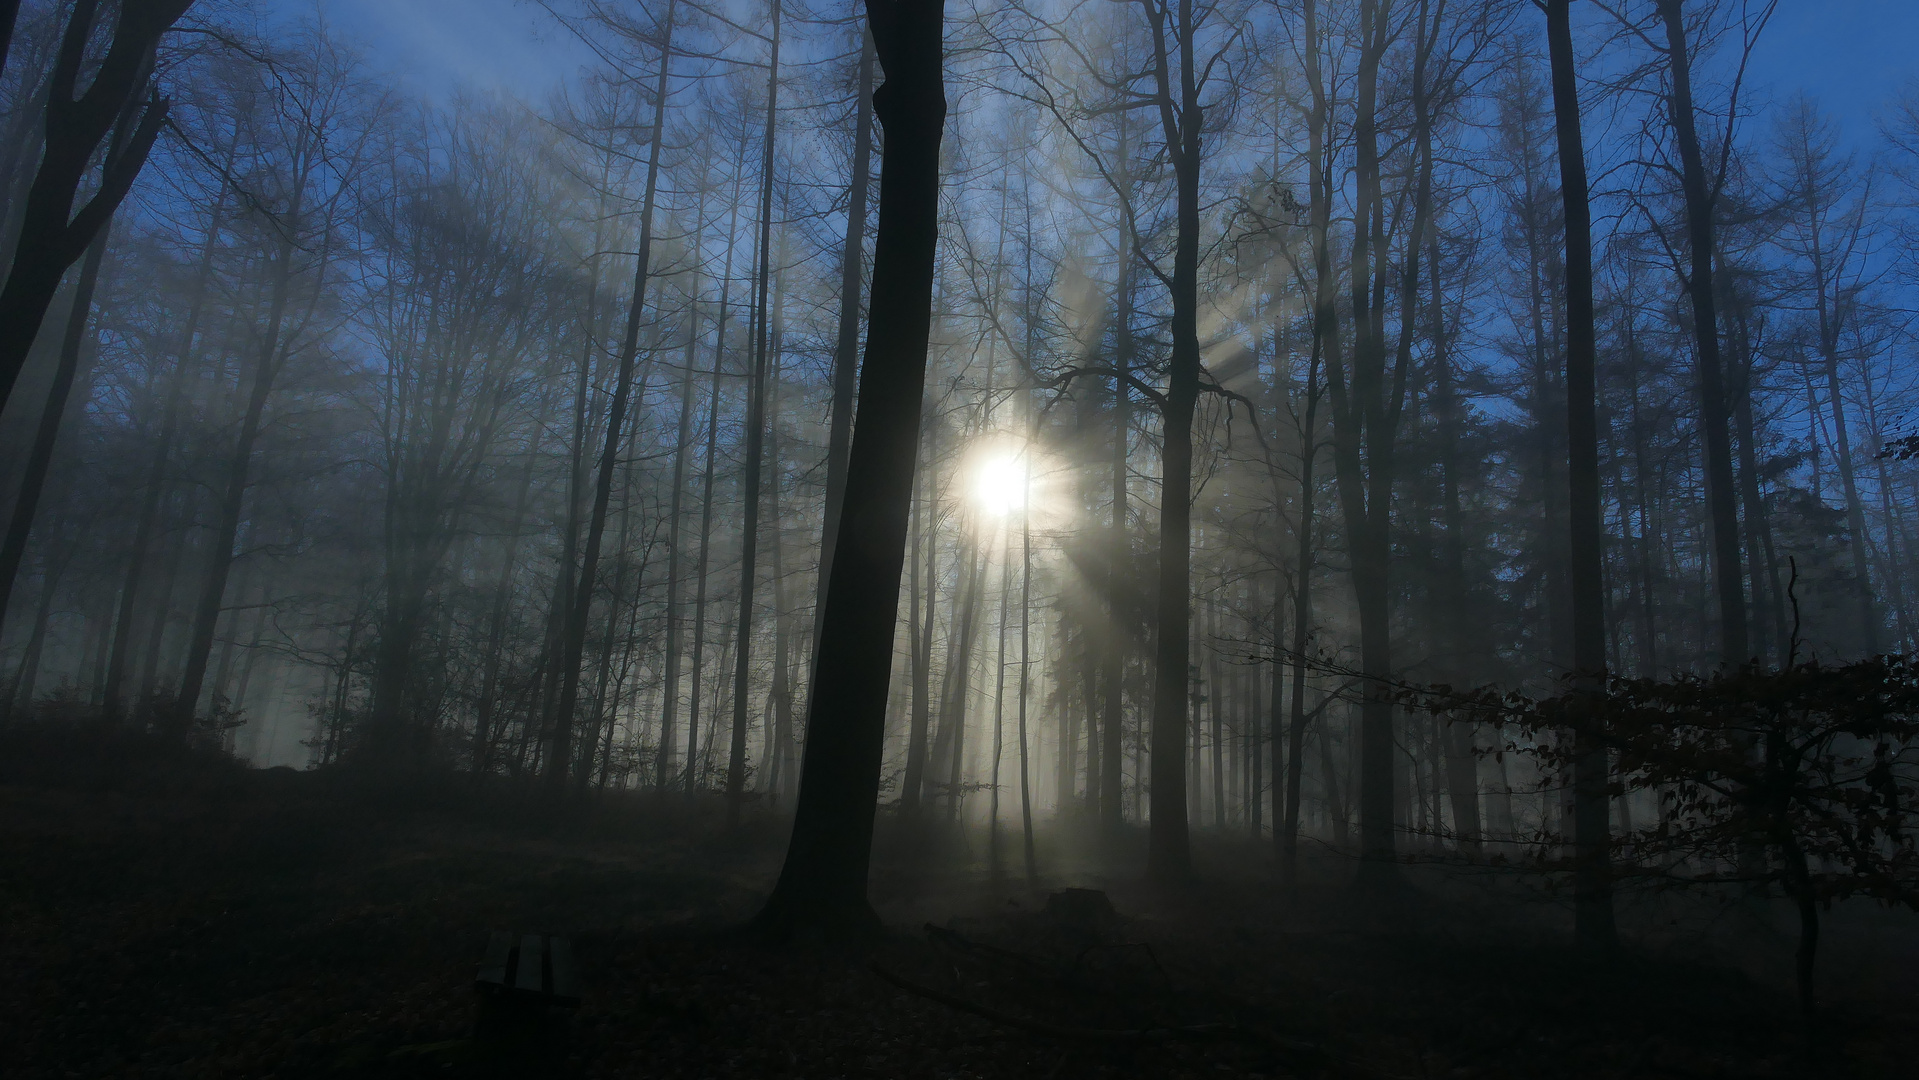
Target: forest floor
{"type": "Point", "coordinates": [196, 921]}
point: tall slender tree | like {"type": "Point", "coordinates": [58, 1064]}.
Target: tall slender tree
{"type": "Point", "coordinates": [576, 618]}
{"type": "Point", "coordinates": [755, 439]}
{"type": "Point", "coordinates": [1593, 899]}
{"type": "Point", "coordinates": [1701, 195]}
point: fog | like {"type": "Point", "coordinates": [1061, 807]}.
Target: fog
{"type": "Point", "coordinates": [1313, 499]}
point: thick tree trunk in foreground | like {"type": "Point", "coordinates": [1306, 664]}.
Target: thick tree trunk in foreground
{"type": "Point", "coordinates": [822, 886]}
{"type": "Point", "coordinates": [46, 436]}
{"type": "Point", "coordinates": [1592, 883]}
{"type": "Point", "coordinates": [9, 15]}
{"type": "Point", "coordinates": [40, 456]}
{"type": "Point", "coordinates": [52, 234]}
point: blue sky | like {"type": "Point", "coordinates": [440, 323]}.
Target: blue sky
{"type": "Point", "coordinates": [1850, 54]}
{"type": "Point", "coordinates": [437, 47]}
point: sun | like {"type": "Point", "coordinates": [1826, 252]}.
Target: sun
{"type": "Point", "coordinates": [999, 483]}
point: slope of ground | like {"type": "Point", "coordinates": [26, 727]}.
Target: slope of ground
{"type": "Point", "coordinates": [212, 922]}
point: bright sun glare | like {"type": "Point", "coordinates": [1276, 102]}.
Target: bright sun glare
{"type": "Point", "coordinates": [1000, 484]}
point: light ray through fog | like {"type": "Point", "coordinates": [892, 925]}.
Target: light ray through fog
{"type": "Point", "coordinates": [458, 406]}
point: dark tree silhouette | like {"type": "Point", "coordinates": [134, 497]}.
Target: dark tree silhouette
{"type": "Point", "coordinates": [9, 15]}
{"type": "Point", "coordinates": [1700, 196]}
{"type": "Point", "coordinates": [34, 475]}
{"type": "Point", "coordinates": [574, 644]}
{"type": "Point", "coordinates": [1593, 894]}
{"type": "Point", "coordinates": [755, 445]}
{"type": "Point", "coordinates": [822, 884]}
{"type": "Point", "coordinates": [1368, 399]}
{"type": "Point", "coordinates": [1176, 80]}
{"type": "Point", "coordinates": [52, 234]}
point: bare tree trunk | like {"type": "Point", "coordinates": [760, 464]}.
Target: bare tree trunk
{"type": "Point", "coordinates": [921, 615]}
{"type": "Point", "coordinates": [1338, 814]}
{"type": "Point", "coordinates": [780, 738]}
{"type": "Point", "coordinates": [999, 700]}
{"type": "Point", "coordinates": [1218, 686]}
{"type": "Point", "coordinates": [822, 885]}
{"type": "Point", "coordinates": [233, 499]}
{"type": "Point", "coordinates": [682, 445]}
{"type": "Point", "coordinates": [1121, 590]}
{"type": "Point", "coordinates": [1592, 875]}
{"type": "Point", "coordinates": [847, 346]}
{"type": "Point", "coordinates": [1095, 760]}
{"type": "Point", "coordinates": [603, 712]}
{"type": "Point", "coordinates": [1168, 853]}
{"type": "Point", "coordinates": [9, 14]}
{"type": "Point", "coordinates": [223, 669]}
{"type": "Point", "coordinates": [1648, 628]}
{"type": "Point", "coordinates": [46, 435]}
{"type": "Point", "coordinates": [950, 746]}
{"type": "Point", "coordinates": [22, 690]}
{"type": "Point", "coordinates": [53, 235]}
{"type": "Point", "coordinates": [575, 641]}
{"type": "Point", "coordinates": [706, 494]}
{"type": "Point", "coordinates": [755, 445]}
{"type": "Point", "coordinates": [157, 473]}
{"type": "Point", "coordinates": [777, 737]}
{"type": "Point", "coordinates": [1762, 562]}
{"type": "Point", "coordinates": [696, 676]}
{"type": "Point", "coordinates": [1462, 767]}
{"type": "Point", "coordinates": [1325, 331]}
{"type": "Point", "coordinates": [1855, 506]}
{"type": "Point", "coordinates": [1720, 490]}
{"type": "Point", "coordinates": [559, 603]}
{"type": "Point", "coordinates": [560, 600]}
{"type": "Point", "coordinates": [483, 727]}
{"type": "Point", "coordinates": [1366, 414]}
{"type": "Point", "coordinates": [162, 604]}
{"type": "Point", "coordinates": [1066, 763]}
{"type": "Point", "coordinates": [1025, 680]}
{"type": "Point", "coordinates": [40, 457]}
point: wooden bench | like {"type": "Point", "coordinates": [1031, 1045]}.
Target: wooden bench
{"type": "Point", "coordinates": [528, 973]}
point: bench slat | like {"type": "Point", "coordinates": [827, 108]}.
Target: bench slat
{"type": "Point", "coordinates": [499, 949]}
{"type": "Point", "coordinates": [531, 975]}
{"type": "Point", "coordinates": [566, 977]}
